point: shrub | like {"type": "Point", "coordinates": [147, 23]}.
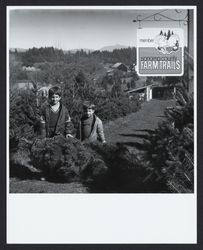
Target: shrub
{"type": "Point", "coordinates": [56, 159]}
{"type": "Point", "coordinates": [117, 107]}
{"type": "Point", "coordinates": [64, 159]}
{"type": "Point", "coordinates": [102, 168]}
{"type": "Point", "coordinates": [23, 116]}
{"type": "Point", "coordinates": [125, 172]}
{"type": "Point", "coordinates": [169, 149]}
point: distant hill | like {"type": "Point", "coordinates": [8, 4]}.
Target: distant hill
{"type": "Point", "coordinates": [112, 47]}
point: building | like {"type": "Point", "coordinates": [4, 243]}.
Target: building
{"type": "Point", "coordinates": [23, 85]}
{"type": "Point", "coordinates": [30, 69]}
{"type": "Point", "coordinates": [153, 91]}
{"type": "Point", "coordinates": [145, 92]}
{"type": "Point", "coordinates": [43, 91]}
{"type": "Point", "coordinates": [120, 66]}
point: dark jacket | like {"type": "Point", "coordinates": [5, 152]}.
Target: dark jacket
{"type": "Point", "coordinates": [97, 132]}
{"type": "Point", "coordinates": [63, 126]}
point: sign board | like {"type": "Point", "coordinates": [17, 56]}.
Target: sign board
{"type": "Point", "coordinates": [160, 52]}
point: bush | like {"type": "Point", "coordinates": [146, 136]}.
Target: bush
{"type": "Point", "coordinates": [57, 159]}
{"type": "Point", "coordinates": [117, 107]}
{"type": "Point", "coordinates": [20, 160]}
{"type": "Point", "coordinates": [169, 149]}
{"type": "Point", "coordinates": [23, 116]}
{"type": "Point", "coordinates": [60, 158]}
{"type": "Point", "coordinates": [125, 172]}
{"type": "Point", "coordinates": [102, 168]}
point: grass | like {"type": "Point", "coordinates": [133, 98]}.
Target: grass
{"type": "Point", "coordinates": [129, 130]}
{"type": "Point", "coordinates": [38, 186]}
{"type": "Point", "coordinates": [125, 129]}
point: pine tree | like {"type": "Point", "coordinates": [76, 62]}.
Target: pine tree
{"type": "Point", "coordinates": [169, 155]}
{"type": "Point", "coordinates": [169, 34]}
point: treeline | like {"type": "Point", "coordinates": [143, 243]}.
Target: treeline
{"type": "Point", "coordinates": [51, 54]}
{"type": "Point", "coordinates": [36, 55]}
{"type": "Point", "coordinates": [125, 55]}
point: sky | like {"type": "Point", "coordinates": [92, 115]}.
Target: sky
{"type": "Point", "coordinates": [81, 28]}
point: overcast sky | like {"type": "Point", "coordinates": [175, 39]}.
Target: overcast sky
{"type": "Point", "coordinates": [74, 29]}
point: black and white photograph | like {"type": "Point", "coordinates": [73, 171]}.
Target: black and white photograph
{"type": "Point", "coordinates": [81, 119]}
{"type": "Point", "coordinates": [101, 102]}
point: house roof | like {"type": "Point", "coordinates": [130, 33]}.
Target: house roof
{"type": "Point", "coordinates": [140, 88]}
{"type": "Point", "coordinates": [116, 65]}
{"type": "Point", "coordinates": [44, 88]}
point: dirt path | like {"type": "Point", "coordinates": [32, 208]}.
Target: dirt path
{"type": "Point", "coordinates": [128, 129]}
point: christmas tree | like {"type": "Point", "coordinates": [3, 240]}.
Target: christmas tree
{"type": "Point", "coordinates": [169, 155]}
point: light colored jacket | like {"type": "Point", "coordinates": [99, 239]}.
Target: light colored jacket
{"type": "Point", "coordinates": [97, 132]}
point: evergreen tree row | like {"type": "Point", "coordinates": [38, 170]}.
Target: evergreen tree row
{"type": "Point", "coordinates": [51, 54]}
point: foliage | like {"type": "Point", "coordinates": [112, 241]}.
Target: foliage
{"type": "Point", "coordinates": [23, 113]}
{"type": "Point", "coordinates": [183, 113]}
{"type": "Point", "coordinates": [61, 159]}
{"type": "Point", "coordinates": [20, 160]}
{"type": "Point", "coordinates": [77, 86]}
{"type": "Point", "coordinates": [115, 107]}
{"type": "Point", "coordinates": [50, 54]}
{"type": "Point", "coordinates": [167, 164]}
{"type": "Point", "coordinates": [169, 149]}
{"type": "Point", "coordinates": [47, 54]}
{"type": "Point", "coordinates": [171, 80]}
{"type": "Point", "coordinates": [125, 55]}
{"type": "Point", "coordinates": [101, 168]}
{"type": "Point", "coordinates": [125, 172]}
{"type": "Point", "coordinates": [15, 72]}
{"type": "Point", "coordinates": [56, 159]}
